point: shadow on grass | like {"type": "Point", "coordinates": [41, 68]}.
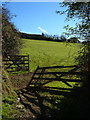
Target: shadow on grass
{"type": "Point", "coordinates": [48, 104]}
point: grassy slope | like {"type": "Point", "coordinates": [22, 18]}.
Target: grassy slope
{"type": "Point", "coordinates": [47, 53]}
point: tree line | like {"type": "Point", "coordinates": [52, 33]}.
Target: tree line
{"type": "Point", "coordinates": [47, 37]}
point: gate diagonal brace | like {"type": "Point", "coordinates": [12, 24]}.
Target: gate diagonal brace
{"type": "Point", "coordinates": [15, 61]}
{"type": "Point", "coordinates": [62, 81]}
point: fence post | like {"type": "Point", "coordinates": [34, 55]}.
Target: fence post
{"type": "Point", "coordinates": [28, 64]}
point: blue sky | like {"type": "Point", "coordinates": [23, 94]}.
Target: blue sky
{"type": "Point", "coordinates": [32, 0]}
{"type": "Point", "coordinates": [38, 17]}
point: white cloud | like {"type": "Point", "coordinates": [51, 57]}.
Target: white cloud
{"type": "Point", "coordinates": [42, 30]}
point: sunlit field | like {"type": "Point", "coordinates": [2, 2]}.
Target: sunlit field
{"type": "Point", "coordinates": [48, 53]}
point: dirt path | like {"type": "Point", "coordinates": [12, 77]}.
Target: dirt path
{"type": "Point", "coordinates": [20, 81]}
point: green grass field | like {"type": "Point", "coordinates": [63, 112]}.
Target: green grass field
{"type": "Point", "coordinates": [48, 53]}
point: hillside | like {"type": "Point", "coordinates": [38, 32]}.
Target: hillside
{"type": "Point", "coordinates": [48, 53]}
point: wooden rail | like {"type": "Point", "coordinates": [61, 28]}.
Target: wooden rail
{"type": "Point", "coordinates": [51, 67]}
{"type": "Point", "coordinates": [65, 73]}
